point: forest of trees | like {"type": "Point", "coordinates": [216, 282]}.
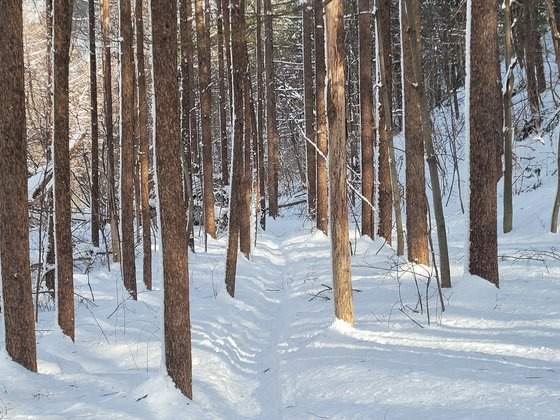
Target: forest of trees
{"type": "Point", "coordinates": [137, 121]}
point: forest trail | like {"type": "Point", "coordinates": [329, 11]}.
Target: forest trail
{"type": "Point", "coordinates": [275, 351]}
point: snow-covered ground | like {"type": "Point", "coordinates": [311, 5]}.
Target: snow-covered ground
{"type": "Point", "coordinates": [275, 350]}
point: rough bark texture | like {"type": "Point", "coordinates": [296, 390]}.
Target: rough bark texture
{"type": "Point", "coordinates": [384, 172]}
{"type": "Point", "coordinates": [63, 224]}
{"type": "Point", "coordinates": [238, 66]}
{"type": "Point", "coordinates": [245, 214]}
{"type": "Point", "coordinates": [205, 91]}
{"type": "Point", "coordinates": [94, 128]}
{"type": "Point", "coordinates": [508, 126]}
{"type": "Point", "coordinates": [19, 324]}
{"type": "Point", "coordinates": [367, 128]}
{"type": "Point", "coordinates": [144, 141]}
{"type": "Point", "coordinates": [260, 116]}
{"type": "Point", "coordinates": [222, 94]}
{"type": "Point", "coordinates": [108, 109]}
{"type": "Point", "coordinates": [530, 54]}
{"type": "Point", "coordinates": [321, 116]}
{"type": "Point", "coordinates": [485, 122]}
{"type": "Point", "coordinates": [271, 123]}
{"type": "Point", "coordinates": [177, 327]}
{"type": "Point", "coordinates": [342, 280]}
{"type": "Point", "coordinates": [309, 100]}
{"type": "Point", "coordinates": [416, 204]}
{"type": "Point", "coordinates": [127, 148]}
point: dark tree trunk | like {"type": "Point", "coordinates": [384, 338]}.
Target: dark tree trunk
{"type": "Point", "coordinates": [222, 95]}
{"type": "Point", "coordinates": [19, 324]}
{"type": "Point", "coordinates": [94, 129]}
{"type": "Point", "coordinates": [177, 326]}
{"type": "Point", "coordinates": [63, 223]}
{"type": "Point", "coordinates": [260, 116]}
{"type": "Point", "coordinates": [309, 100]}
{"type": "Point", "coordinates": [485, 132]}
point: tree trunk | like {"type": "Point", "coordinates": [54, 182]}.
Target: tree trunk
{"type": "Point", "coordinates": [245, 213]}
{"type": "Point", "coordinates": [127, 148]}
{"type": "Point", "coordinates": [366, 117]}
{"type": "Point", "coordinates": [309, 99]}
{"type": "Point", "coordinates": [205, 91]}
{"type": "Point", "coordinates": [385, 134]}
{"type": "Point", "coordinates": [416, 204]}
{"type": "Point", "coordinates": [260, 115]}
{"type": "Point", "coordinates": [530, 54]}
{"type": "Point", "coordinates": [108, 109]}
{"type": "Point", "coordinates": [321, 118]}
{"type": "Point", "coordinates": [19, 324]}
{"type": "Point", "coordinates": [484, 127]}
{"type": "Point", "coordinates": [63, 222]}
{"type": "Point", "coordinates": [508, 127]}
{"type": "Point", "coordinates": [222, 94]}
{"type": "Point", "coordinates": [238, 67]}
{"type": "Point", "coordinates": [94, 128]}
{"type": "Point", "coordinates": [271, 123]}
{"type": "Point", "coordinates": [177, 326]}
{"type": "Point", "coordinates": [336, 92]}
{"type": "Point", "coordinates": [143, 134]}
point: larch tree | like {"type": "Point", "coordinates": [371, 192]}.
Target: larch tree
{"type": "Point", "coordinates": [127, 110]}
{"type": "Point", "coordinates": [367, 129]}
{"type": "Point", "coordinates": [484, 132]}
{"type": "Point", "coordinates": [385, 194]}
{"type": "Point", "coordinates": [271, 118]}
{"type": "Point", "coordinates": [19, 324]}
{"type": "Point", "coordinates": [205, 92]}
{"type": "Point", "coordinates": [108, 114]}
{"type": "Point", "coordinates": [322, 207]}
{"type": "Point", "coordinates": [336, 113]}
{"type": "Point", "coordinates": [259, 58]}
{"type": "Point", "coordinates": [508, 126]}
{"type": "Point", "coordinates": [309, 100]}
{"type": "Point", "coordinates": [94, 128]}
{"type": "Point", "coordinates": [64, 272]}
{"type": "Point", "coordinates": [222, 102]}
{"type": "Point", "coordinates": [167, 140]}
{"type": "Point", "coordinates": [416, 204]}
{"type": "Point", "coordinates": [144, 147]}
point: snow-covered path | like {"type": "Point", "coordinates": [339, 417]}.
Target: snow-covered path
{"type": "Point", "coordinates": [274, 351]}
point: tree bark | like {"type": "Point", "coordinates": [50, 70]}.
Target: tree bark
{"type": "Point", "coordinates": [94, 128]}
{"type": "Point", "coordinates": [143, 134]}
{"type": "Point", "coordinates": [309, 99]}
{"type": "Point", "coordinates": [508, 127]}
{"type": "Point", "coordinates": [336, 92]}
{"type": "Point", "coordinates": [127, 147]}
{"type": "Point", "coordinates": [385, 192]}
{"type": "Point", "coordinates": [367, 128]}
{"type": "Point", "coordinates": [260, 116]}
{"type": "Point", "coordinates": [271, 123]}
{"type": "Point", "coordinates": [321, 118]}
{"type": "Point", "coordinates": [19, 323]}
{"type": "Point", "coordinates": [205, 92]}
{"type": "Point", "coordinates": [484, 133]}
{"type": "Point", "coordinates": [177, 327]}
{"type": "Point", "coordinates": [416, 204]}
{"type": "Point", "coordinates": [63, 224]}
{"type": "Point", "coordinates": [222, 94]}
{"type": "Point", "coordinates": [108, 109]}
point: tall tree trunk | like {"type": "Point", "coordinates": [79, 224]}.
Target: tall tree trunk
{"type": "Point", "coordinates": [336, 92]}
{"type": "Point", "coordinates": [245, 213]}
{"type": "Point", "coordinates": [260, 115]}
{"type": "Point", "coordinates": [416, 204]}
{"type": "Point", "coordinates": [530, 54]}
{"type": "Point", "coordinates": [108, 109]}
{"type": "Point", "coordinates": [205, 91]}
{"type": "Point", "coordinates": [127, 147]}
{"type": "Point", "coordinates": [63, 223]}
{"type": "Point", "coordinates": [177, 326]}
{"type": "Point", "coordinates": [309, 99]}
{"type": "Point", "coordinates": [19, 324]}
{"type": "Point", "coordinates": [385, 125]}
{"type": "Point", "coordinates": [222, 94]}
{"type": "Point", "coordinates": [143, 134]}
{"type": "Point", "coordinates": [321, 118]}
{"type": "Point", "coordinates": [366, 117]}
{"type": "Point", "coordinates": [238, 67]}
{"type": "Point", "coordinates": [508, 127]}
{"type": "Point", "coordinates": [271, 123]}
{"type": "Point", "coordinates": [94, 128]}
{"type": "Point", "coordinates": [484, 127]}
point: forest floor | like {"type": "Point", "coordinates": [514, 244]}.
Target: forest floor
{"type": "Point", "coordinates": [276, 352]}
